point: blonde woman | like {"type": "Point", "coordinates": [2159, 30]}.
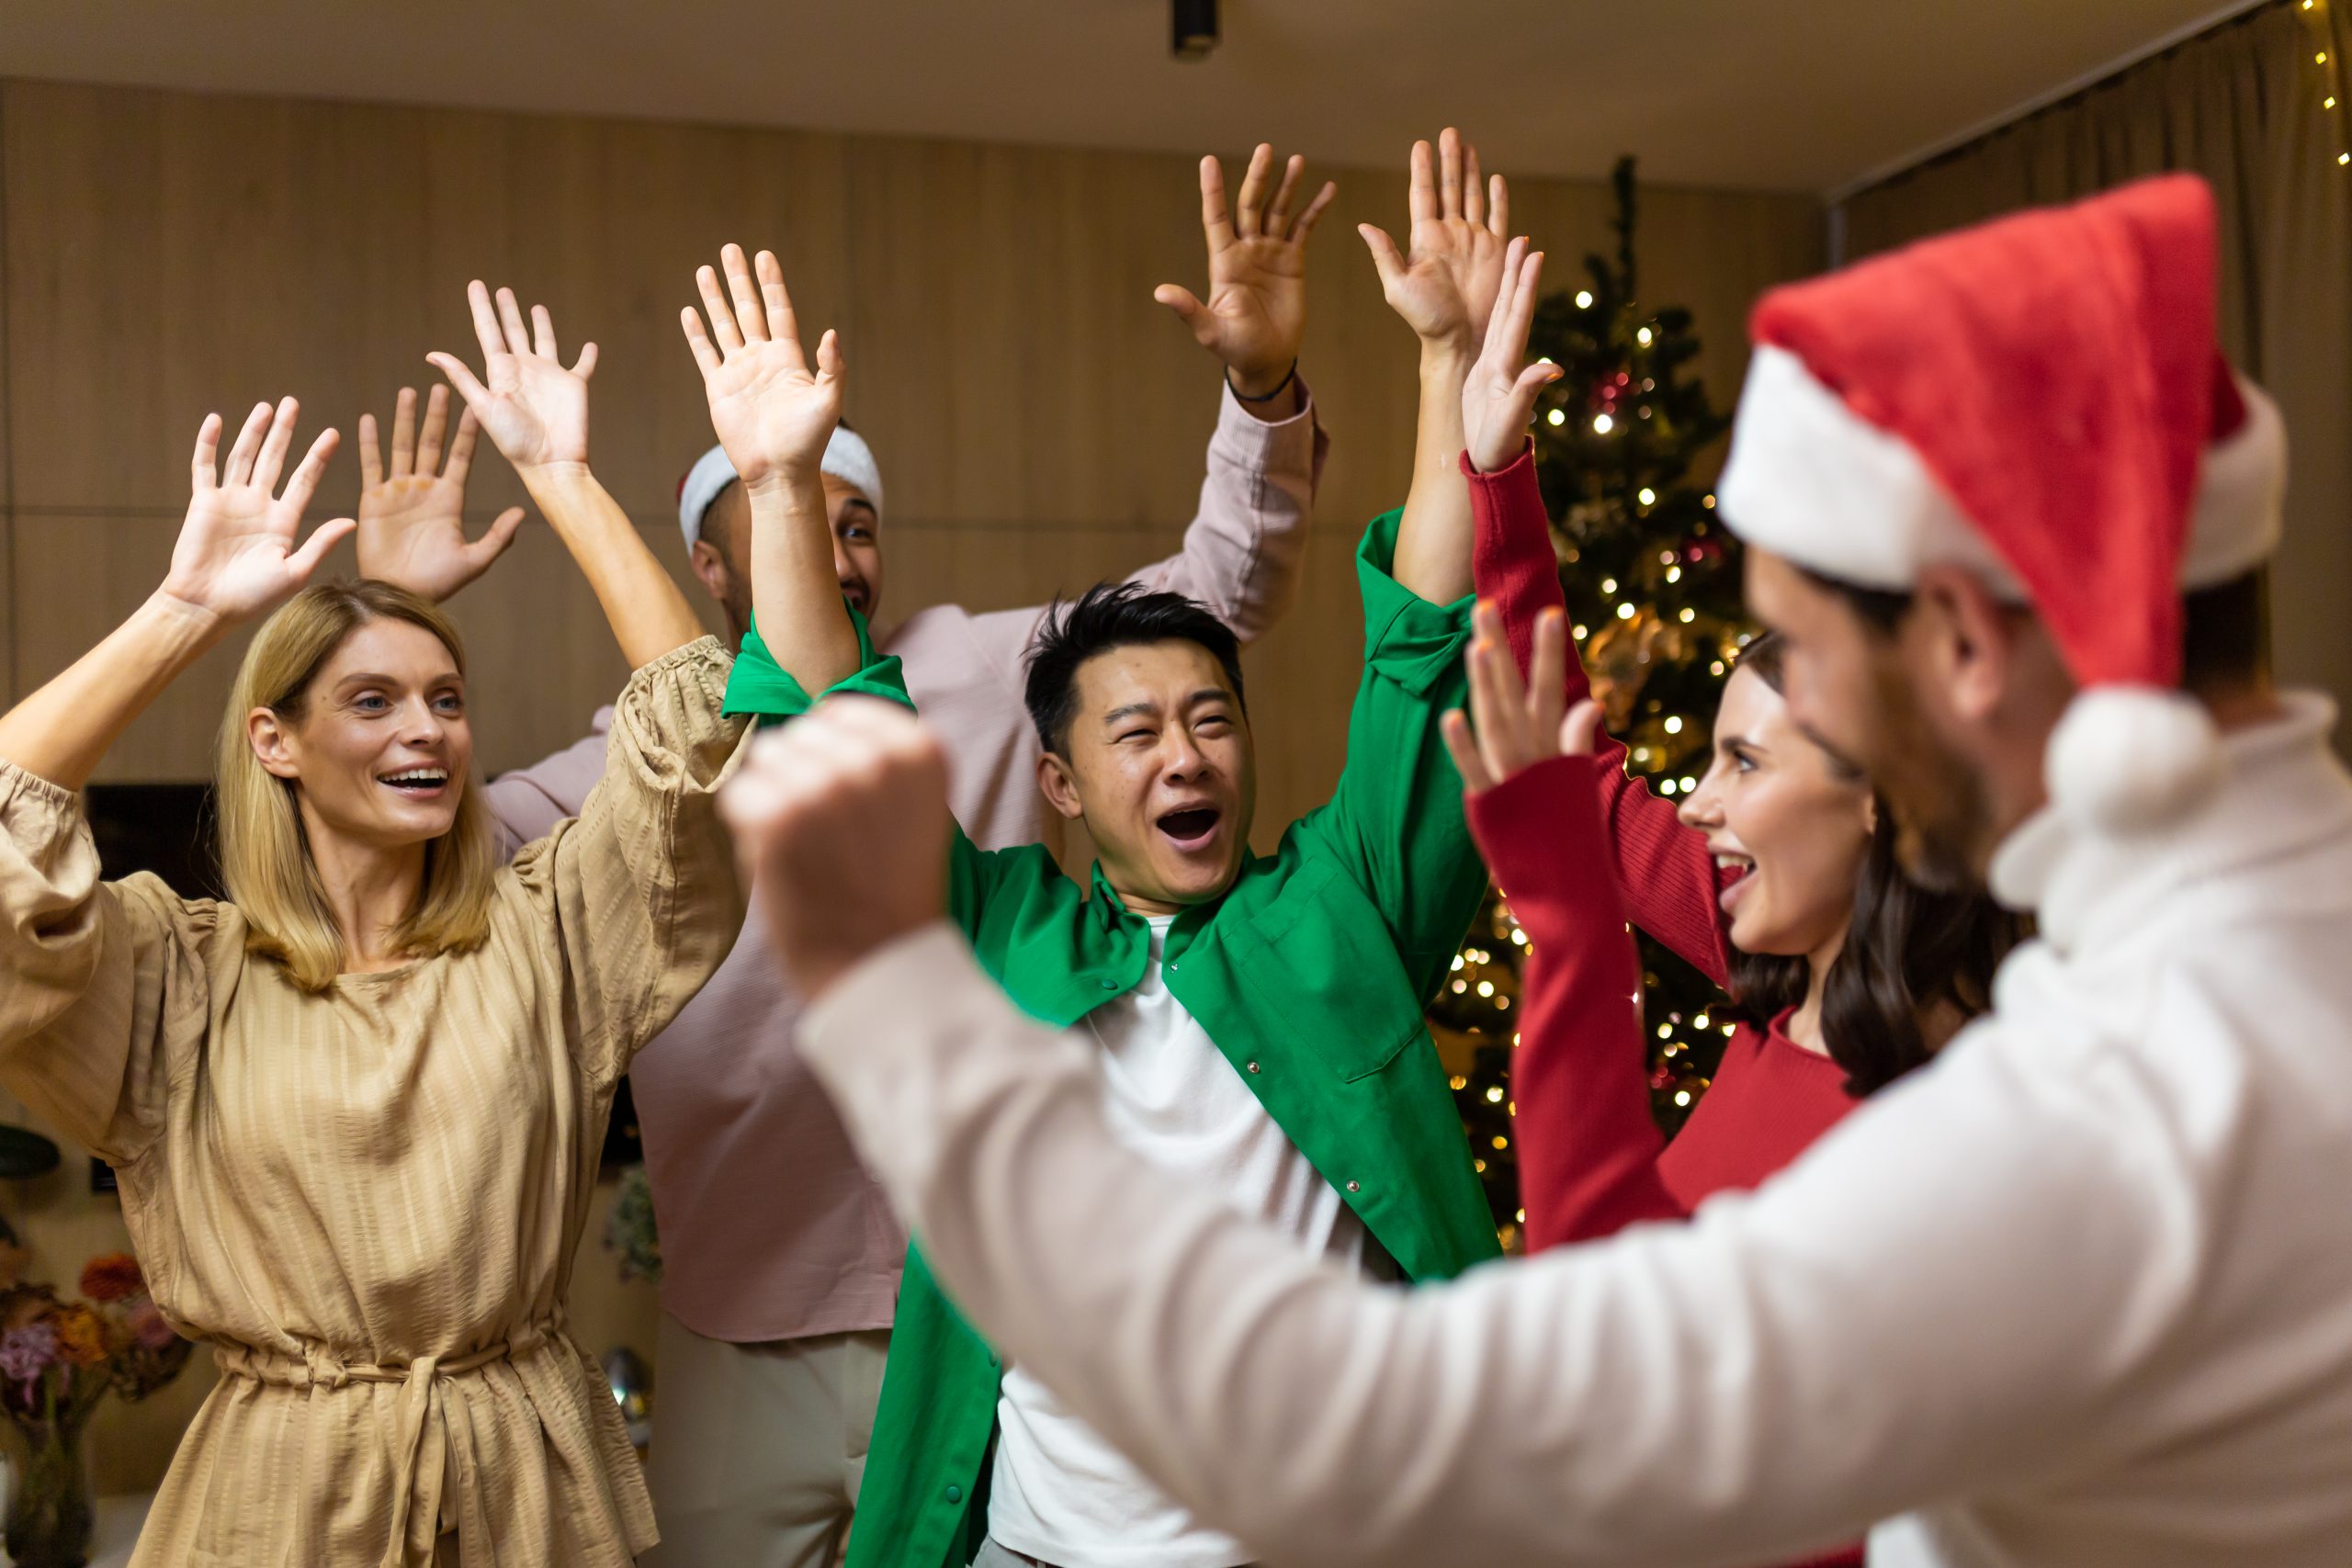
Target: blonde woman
{"type": "Point", "coordinates": [355, 1111]}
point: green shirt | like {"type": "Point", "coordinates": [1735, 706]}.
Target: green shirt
{"type": "Point", "coordinates": [1310, 973]}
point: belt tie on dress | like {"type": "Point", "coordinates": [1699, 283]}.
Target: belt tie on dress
{"type": "Point", "coordinates": [319, 1368]}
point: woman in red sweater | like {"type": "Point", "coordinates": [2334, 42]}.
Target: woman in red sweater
{"type": "Point", "coordinates": [1776, 876]}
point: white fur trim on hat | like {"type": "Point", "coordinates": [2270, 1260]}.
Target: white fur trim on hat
{"type": "Point", "coordinates": [2127, 759]}
{"type": "Point", "coordinates": [847, 457]}
{"type": "Point", "coordinates": [1810, 479]}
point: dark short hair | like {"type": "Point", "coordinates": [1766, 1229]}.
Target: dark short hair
{"type": "Point", "coordinates": [1108, 616]}
{"type": "Point", "coordinates": [2225, 629]}
{"type": "Point", "coordinates": [1907, 949]}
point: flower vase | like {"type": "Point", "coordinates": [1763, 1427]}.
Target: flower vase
{"type": "Point", "coordinates": [51, 1516]}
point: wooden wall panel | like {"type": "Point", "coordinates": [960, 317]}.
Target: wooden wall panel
{"type": "Point", "coordinates": [1040, 421]}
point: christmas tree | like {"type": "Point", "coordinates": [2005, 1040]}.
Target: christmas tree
{"type": "Point", "coordinates": [1654, 604]}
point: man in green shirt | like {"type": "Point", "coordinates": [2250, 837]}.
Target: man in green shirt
{"type": "Point", "coordinates": [1260, 1016]}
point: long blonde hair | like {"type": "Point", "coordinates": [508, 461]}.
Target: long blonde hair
{"type": "Point", "coordinates": [265, 854]}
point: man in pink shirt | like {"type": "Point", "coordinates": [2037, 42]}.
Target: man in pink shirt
{"type": "Point", "coordinates": [780, 1255]}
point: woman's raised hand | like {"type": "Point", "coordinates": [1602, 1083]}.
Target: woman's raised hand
{"type": "Point", "coordinates": [236, 556]}
{"type": "Point", "coordinates": [1518, 723]}
{"type": "Point", "coordinates": [772, 411]}
{"type": "Point", "coordinates": [535, 410]}
{"type": "Point", "coordinates": [413, 515]}
{"type": "Point", "coordinates": [1445, 285]}
{"type": "Point", "coordinates": [1499, 397]}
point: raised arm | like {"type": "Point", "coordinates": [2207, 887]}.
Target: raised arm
{"type": "Point", "coordinates": [1243, 553]}
{"type": "Point", "coordinates": [1587, 1147]}
{"type": "Point", "coordinates": [773, 412]}
{"type": "Point", "coordinates": [1668, 880]}
{"type": "Point", "coordinates": [1444, 287]}
{"type": "Point", "coordinates": [236, 557]}
{"type": "Point", "coordinates": [536, 413]}
{"type": "Point", "coordinates": [413, 513]}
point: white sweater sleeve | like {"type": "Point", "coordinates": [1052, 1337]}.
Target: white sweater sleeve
{"type": "Point", "coordinates": [1945, 1296]}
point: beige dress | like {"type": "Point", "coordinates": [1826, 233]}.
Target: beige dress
{"type": "Point", "coordinates": [367, 1202]}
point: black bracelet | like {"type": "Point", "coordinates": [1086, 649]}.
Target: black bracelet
{"type": "Point", "coordinates": [1288, 377]}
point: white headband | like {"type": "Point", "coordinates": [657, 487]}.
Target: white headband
{"type": "Point", "coordinates": [847, 457]}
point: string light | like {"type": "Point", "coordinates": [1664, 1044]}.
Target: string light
{"type": "Point", "coordinates": [1689, 616]}
{"type": "Point", "coordinates": [1624, 612]}
{"type": "Point", "coordinates": [1584, 299]}
{"type": "Point", "coordinates": [1583, 632]}
{"type": "Point", "coordinates": [1557, 418]}
{"type": "Point", "coordinates": [1688, 784]}
{"type": "Point", "coordinates": [1609, 585]}
{"type": "Point", "coordinates": [1674, 574]}
{"type": "Point", "coordinates": [1666, 787]}
{"type": "Point", "coordinates": [1682, 1097]}
{"type": "Point", "coordinates": [1646, 496]}
{"type": "Point", "coordinates": [1486, 987]}
{"type": "Point", "coordinates": [1643, 337]}
{"type": "Point", "coordinates": [1602, 425]}
{"type": "Point", "coordinates": [1495, 1095]}
{"type": "Point", "coordinates": [1674, 724]}
{"type": "Point", "coordinates": [1458, 1081]}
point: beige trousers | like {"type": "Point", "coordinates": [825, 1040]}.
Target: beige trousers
{"type": "Point", "coordinates": [758, 1449]}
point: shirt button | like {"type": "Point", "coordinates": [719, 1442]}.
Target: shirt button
{"type": "Point", "coordinates": [955, 1493]}
{"type": "Point", "coordinates": [1173, 967]}
{"type": "Point", "coordinates": [1355, 1188]}
{"type": "Point", "coordinates": [1110, 985]}
{"type": "Point", "coordinates": [1253, 1067]}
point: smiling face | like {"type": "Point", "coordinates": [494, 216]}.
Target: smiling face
{"type": "Point", "coordinates": [378, 744]}
{"type": "Point", "coordinates": [1158, 764]}
{"type": "Point", "coordinates": [1796, 820]}
{"type": "Point", "coordinates": [721, 557]}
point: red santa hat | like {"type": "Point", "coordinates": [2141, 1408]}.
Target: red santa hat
{"type": "Point", "coordinates": [2039, 400]}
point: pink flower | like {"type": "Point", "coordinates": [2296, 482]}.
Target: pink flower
{"type": "Point", "coordinates": [26, 1353]}
{"type": "Point", "coordinates": [148, 1326]}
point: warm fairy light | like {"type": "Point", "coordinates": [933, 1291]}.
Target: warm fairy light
{"type": "Point", "coordinates": [1458, 1081]}
{"type": "Point", "coordinates": [1682, 1097]}
{"type": "Point", "coordinates": [1542, 359]}
{"type": "Point", "coordinates": [1518, 937]}
{"type": "Point", "coordinates": [1689, 616]}
{"type": "Point", "coordinates": [1707, 502]}
{"type": "Point", "coordinates": [1486, 987]}
{"type": "Point", "coordinates": [1522, 1216]}
{"type": "Point", "coordinates": [1457, 961]}
{"type": "Point", "coordinates": [1502, 1004]}
{"type": "Point", "coordinates": [1643, 337]}
{"type": "Point", "coordinates": [1479, 1165]}
{"type": "Point", "coordinates": [1501, 1142]}
{"type": "Point", "coordinates": [1583, 632]}
{"type": "Point", "coordinates": [1666, 1032]}
{"type": "Point", "coordinates": [1716, 667]}
{"type": "Point", "coordinates": [1667, 787]}
{"type": "Point", "coordinates": [1688, 784]}
{"type": "Point", "coordinates": [1624, 612]}
{"type": "Point", "coordinates": [1602, 425]}
{"type": "Point", "coordinates": [1641, 753]}
{"type": "Point", "coordinates": [1557, 418]}
{"type": "Point", "coordinates": [1700, 1022]}
{"type": "Point", "coordinates": [1674, 574]}
{"type": "Point", "coordinates": [1674, 724]}
{"type": "Point", "coordinates": [1647, 496]}
{"type": "Point", "coordinates": [1495, 1095]}
{"type": "Point", "coordinates": [1609, 585]}
{"type": "Point", "coordinates": [1460, 987]}
{"type": "Point", "coordinates": [1584, 299]}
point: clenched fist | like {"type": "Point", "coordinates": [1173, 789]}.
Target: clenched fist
{"type": "Point", "coordinates": [840, 818]}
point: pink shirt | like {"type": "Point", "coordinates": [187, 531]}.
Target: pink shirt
{"type": "Point", "coordinates": [770, 1228]}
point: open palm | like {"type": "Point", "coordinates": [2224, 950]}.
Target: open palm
{"type": "Point", "coordinates": [1444, 287]}
{"type": "Point", "coordinates": [1499, 395]}
{"type": "Point", "coordinates": [1256, 313]}
{"type": "Point", "coordinates": [535, 411]}
{"type": "Point", "coordinates": [411, 518]}
{"type": "Point", "coordinates": [772, 410]}
{"type": "Point", "coordinates": [236, 556]}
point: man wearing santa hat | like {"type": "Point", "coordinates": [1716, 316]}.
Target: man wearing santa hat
{"type": "Point", "coordinates": [780, 1255]}
{"type": "Point", "coordinates": [2079, 1292]}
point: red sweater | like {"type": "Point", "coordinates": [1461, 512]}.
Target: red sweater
{"type": "Point", "coordinates": [1578, 848]}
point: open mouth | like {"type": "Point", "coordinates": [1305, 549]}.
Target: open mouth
{"type": "Point", "coordinates": [1741, 870]}
{"type": "Point", "coordinates": [1193, 827]}
{"type": "Point", "coordinates": [422, 782]}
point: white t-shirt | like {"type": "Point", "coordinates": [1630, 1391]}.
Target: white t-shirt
{"type": "Point", "coordinates": [1061, 1493]}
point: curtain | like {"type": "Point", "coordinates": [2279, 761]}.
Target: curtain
{"type": "Point", "coordinates": [2246, 105]}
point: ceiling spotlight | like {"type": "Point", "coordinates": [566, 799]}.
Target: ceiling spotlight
{"type": "Point", "coordinates": [1193, 28]}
